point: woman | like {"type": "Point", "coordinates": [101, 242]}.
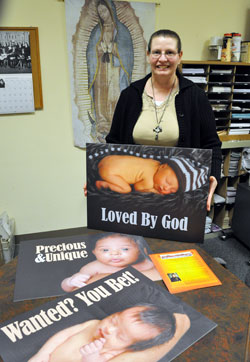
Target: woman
{"type": "Point", "coordinates": [165, 109]}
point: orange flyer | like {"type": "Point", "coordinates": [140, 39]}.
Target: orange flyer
{"type": "Point", "coordinates": [184, 270]}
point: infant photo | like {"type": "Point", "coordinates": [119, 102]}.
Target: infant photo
{"type": "Point", "coordinates": [113, 252]}
{"type": "Point", "coordinates": [119, 172]}
{"type": "Point", "coordinates": [122, 317]}
{"type": "Point", "coordinates": [55, 266]}
{"type": "Point", "coordinates": [152, 191]}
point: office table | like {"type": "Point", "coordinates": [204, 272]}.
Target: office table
{"type": "Point", "coordinates": [227, 305]}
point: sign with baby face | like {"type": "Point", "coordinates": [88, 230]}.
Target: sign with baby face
{"type": "Point", "coordinates": [158, 192]}
{"type": "Point", "coordinates": [56, 266]}
{"type": "Point", "coordinates": [123, 317]}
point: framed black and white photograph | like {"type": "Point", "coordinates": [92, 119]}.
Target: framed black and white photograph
{"type": "Point", "coordinates": [20, 72]}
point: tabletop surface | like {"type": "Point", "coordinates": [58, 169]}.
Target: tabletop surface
{"type": "Point", "coordinates": [228, 305]}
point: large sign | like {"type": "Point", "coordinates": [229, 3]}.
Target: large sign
{"type": "Point", "coordinates": [124, 316]}
{"type": "Point", "coordinates": [56, 266]}
{"type": "Point", "coordinates": [152, 191]}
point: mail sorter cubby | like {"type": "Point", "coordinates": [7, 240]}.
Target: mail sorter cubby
{"type": "Point", "coordinates": [225, 194]}
{"type": "Point", "coordinates": [227, 85]}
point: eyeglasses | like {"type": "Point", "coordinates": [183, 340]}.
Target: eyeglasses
{"type": "Point", "coordinates": [169, 54]}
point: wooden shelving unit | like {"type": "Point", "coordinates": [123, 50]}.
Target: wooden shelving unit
{"type": "Point", "coordinates": [227, 85]}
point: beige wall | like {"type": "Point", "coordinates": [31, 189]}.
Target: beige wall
{"type": "Point", "coordinates": [197, 20]}
{"type": "Point", "coordinates": [41, 172]}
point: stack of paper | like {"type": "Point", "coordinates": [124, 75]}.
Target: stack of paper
{"type": "Point", "coordinates": [239, 131]}
{"type": "Point", "coordinates": [245, 164]}
{"type": "Point", "coordinates": [231, 194]}
{"type": "Point", "coordinates": [218, 199]}
{"type": "Point", "coordinates": [216, 89]}
{"type": "Point", "coordinates": [221, 71]}
{"type": "Point", "coordinates": [240, 125]}
{"type": "Point", "coordinates": [241, 115]}
{"type": "Point", "coordinates": [234, 163]}
{"type": "Point", "coordinates": [197, 79]}
{"type": "Point", "coordinates": [222, 165]}
{"type": "Point", "coordinates": [241, 100]}
{"type": "Point", "coordinates": [241, 90]}
{"type": "Point", "coordinates": [208, 225]}
{"type": "Point", "coordinates": [236, 108]}
{"type": "Point", "coordinates": [226, 221]}
{"type": "Point", "coordinates": [193, 70]}
{"type": "Point", "coordinates": [219, 107]}
{"type": "Point", "coordinates": [7, 238]}
{"type": "Point", "coordinates": [239, 128]}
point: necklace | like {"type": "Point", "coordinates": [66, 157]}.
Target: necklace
{"type": "Point", "coordinates": [158, 128]}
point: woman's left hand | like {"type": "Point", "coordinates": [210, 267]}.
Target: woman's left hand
{"type": "Point", "coordinates": [212, 186]}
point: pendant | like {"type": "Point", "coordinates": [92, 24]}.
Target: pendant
{"type": "Point", "coordinates": [157, 130]}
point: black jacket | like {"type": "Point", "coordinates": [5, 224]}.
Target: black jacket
{"type": "Point", "coordinates": [195, 117]}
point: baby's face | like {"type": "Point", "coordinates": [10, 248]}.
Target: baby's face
{"type": "Point", "coordinates": [116, 251]}
{"type": "Point", "coordinates": [123, 329]}
{"type": "Point", "coordinates": [165, 180]}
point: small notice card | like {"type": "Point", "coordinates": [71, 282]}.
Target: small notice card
{"type": "Point", "coordinates": [184, 270]}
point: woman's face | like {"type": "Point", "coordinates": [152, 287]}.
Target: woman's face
{"type": "Point", "coordinates": [164, 57]}
{"type": "Point", "coordinates": [103, 12]}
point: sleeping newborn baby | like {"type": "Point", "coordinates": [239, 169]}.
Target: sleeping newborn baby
{"type": "Point", "coordinates": [119, 172]}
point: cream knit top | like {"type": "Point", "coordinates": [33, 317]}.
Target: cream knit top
{"type": "Point", "coordinates": [143, 131]}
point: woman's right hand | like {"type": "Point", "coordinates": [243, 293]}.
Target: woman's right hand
{"type": "Point", "coordinates": [85, 189]}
